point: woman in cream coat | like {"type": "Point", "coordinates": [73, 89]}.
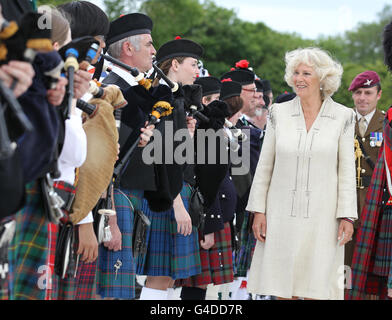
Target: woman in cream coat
{"type": "Point", "coordinates": [304, 194]}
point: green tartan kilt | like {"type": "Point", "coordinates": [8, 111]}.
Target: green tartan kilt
{"type": "Point", "coordinates": [29, 249]}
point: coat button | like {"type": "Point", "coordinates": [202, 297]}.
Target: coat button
{"type": "Point", "coordinates": [218, 216]}
{"type": "Point", "coordinates": [363, 139]}
{"type": "Point", "coordinates": [212, 216]}
{"type": "Point", "coordinates": [223, 196]}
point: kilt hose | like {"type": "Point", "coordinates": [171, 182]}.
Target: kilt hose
{"type": "Point", "coordinates": [247, 247]}
{"type": "Point", "coordinates": [29, 249]}
{"type": "Point", "coordinates": [122, 284]}
{"type": "Point", "coordinates": [82, 286]}
{"type": "Point", "coordinates": [168, 252]}
{"type": "Point", "coordinates": [216, 263]}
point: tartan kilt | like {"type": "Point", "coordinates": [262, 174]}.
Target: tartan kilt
{"type": "Point", "coordinates": [121, 286]}
{"type": "Point", "coordinates": [53, 230]}
{"type": "Point", "coordinates": [168, 252]}
{"type": "Point", "coordinates": [246, 250]}
{"type": "Point", "coordinates": [216, 263]}
{"type": "Point", "coordinates": [28, 249]}
{"type": "Point", "coordinates": [81, 287]}
{"type": "Point", "coordinates": [383, 254]}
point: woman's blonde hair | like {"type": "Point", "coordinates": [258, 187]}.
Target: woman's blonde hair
{"type": "Point", "coordinates": [328, 70]}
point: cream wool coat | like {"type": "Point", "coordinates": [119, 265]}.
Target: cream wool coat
{"type": "Point", "coordinates": [304, 182]}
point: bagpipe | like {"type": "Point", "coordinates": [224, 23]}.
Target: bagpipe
{"type": "Point", "coordinates": [25, 41]}
{"type": "Point", "coordinates": [79, 53]}
{"type": "Point", "coordinates": [155, 102]}
{"type": "Point", "coordinates": [18, 42]}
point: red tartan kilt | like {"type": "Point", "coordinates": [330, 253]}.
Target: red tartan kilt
{"type": "Point", "coordinates": [377, 286]}
{"type": "Point", "coordinates": [216, 263]}
{"type": "Point", "coordinates": [81, 287]}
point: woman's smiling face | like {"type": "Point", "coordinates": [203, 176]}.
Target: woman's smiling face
{"type": "Point", "coordinates": [306, 81]}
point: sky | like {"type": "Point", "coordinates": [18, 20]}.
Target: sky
{"type": "Point", "coordinates": [309, 19]}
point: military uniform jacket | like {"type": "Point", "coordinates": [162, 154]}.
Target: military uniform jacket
{"type": "Point", "coordinates": [375, 125]}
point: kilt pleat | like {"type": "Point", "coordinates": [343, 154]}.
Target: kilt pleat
{"type": "Point", "coordinates": [383, 254]}
{"type": "Point", "coordinates": [246, 250]}
{"type": "Point", "coordinates": [53, 281]}
{"type": "Point", "coordinates": [121, 286]}
{"type": "Point", "coordinates": [216, 263]}
{"type": "Point", "coordinates": [168, 252]}
{"type": "Point", "coordinates": [29, 248]}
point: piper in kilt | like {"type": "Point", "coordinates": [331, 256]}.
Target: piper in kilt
{"type": "Point", "coordinates": [86, 19]}
{"type": "Point", "coordinates": [179, 256]}
{"type": "Point", "coordinates": [129, 40]}
{"type": "Point", "coordinates": [215, 234]}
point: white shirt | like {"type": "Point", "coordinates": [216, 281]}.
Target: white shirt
{"type": "Point", "coordinates": [125, 75]}
{"type": "Point", "coordinates": [74, 152]}
{"type": "Point", "coordinates": [368, 117]}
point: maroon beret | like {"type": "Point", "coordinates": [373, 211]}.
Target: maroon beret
{"type": "Point", "coordinates": [367, 79]}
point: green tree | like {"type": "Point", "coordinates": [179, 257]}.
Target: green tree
{"type": "Point", "coordinates": [54, 3]}
{"type": "Point", "coordinates": [115, 8]}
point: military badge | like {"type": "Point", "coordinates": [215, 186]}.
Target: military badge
{"type": "Point", "coordinates": [376, 139]}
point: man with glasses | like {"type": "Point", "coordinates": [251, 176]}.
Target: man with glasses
{"type": "Point", "coordinates": [249, 92]}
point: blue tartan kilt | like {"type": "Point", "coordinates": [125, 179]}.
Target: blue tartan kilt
{"type": "Point", "coordinates": [168, 252]}
{"type": "Point", "coordinates": [121, 286]}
